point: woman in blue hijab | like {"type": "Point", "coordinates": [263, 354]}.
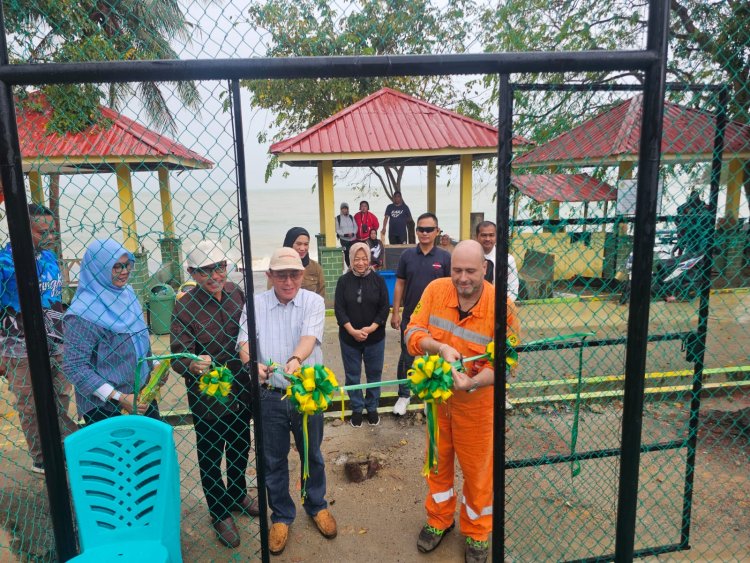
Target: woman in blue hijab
{"type": "Point", "coordinates": [106, 335]}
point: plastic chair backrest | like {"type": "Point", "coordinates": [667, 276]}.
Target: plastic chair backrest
{"type": "Point", "coordinates": [125, 483]}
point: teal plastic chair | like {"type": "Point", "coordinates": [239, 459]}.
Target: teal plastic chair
{"type": "Point", "coordinates": [125, 483]}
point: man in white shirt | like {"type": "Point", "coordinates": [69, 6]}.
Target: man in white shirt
{"type": "Point", "coordinates": [289, 324]}
{"type": "Point", "coordinates": [486, 233]}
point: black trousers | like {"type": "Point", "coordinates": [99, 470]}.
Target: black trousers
{"type": "Point", "coordinates": [112, 409]}
{"type": "Point", "coordinates": [226, 436]}
{"type": "Point", "coordinates": [346, 245]}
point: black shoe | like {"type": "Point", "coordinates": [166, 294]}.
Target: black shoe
{"type": "Point", "coordinates": [247, 506]}
{"type": "Point", "coordinates": [373, 418]}
{"type": "Point", "coordinates": [356, 419]}
{"type": "Point", "coordinates": [227, 532]}
{"type": "Point", "coordinates": [429, 538]}
{"type": "Point", "coordinates": [476, 551]}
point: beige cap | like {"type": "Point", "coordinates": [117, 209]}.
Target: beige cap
{"type": "Point", "coordinates": [285, 259]}
{"type": "Point", "coordinates": [205, 253]}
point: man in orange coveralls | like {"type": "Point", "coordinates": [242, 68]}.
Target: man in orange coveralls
{"type": "Point", "coordinates": [456, 318]}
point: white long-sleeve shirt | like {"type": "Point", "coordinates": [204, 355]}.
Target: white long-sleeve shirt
{"type": "Point", "coordinates": [513, 281]}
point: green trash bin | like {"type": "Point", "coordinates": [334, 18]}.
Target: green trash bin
{"type": "Point", "coordinates": [160, 307]}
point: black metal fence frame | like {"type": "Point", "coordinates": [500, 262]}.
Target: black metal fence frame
{"type": "Point", "coordinates": [651, 61]}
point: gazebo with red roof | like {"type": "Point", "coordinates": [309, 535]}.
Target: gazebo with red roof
{"type": "Point", "coordinates": [391, 128]}
{"type": "Point", "coordinates": [116, 144]}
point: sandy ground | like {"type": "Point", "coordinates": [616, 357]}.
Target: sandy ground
{"type": "Point", "coordinates": [551, 515]}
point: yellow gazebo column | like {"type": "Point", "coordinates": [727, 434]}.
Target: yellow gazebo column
{"type": "Point", "coordinates": [35, 187]}
{"type": "Point", "coordinates": [735, 180]}
{"type": "Point", "coordinates": [465, 195]}
{"type": "Point", "coordinates": [326, 205]}
{"type": "Point", "coordinates": [431, 187]}
{"type": "Point", "coordinates": [165, 194]}
{"type": "Point", "coordinates": [127, 207]}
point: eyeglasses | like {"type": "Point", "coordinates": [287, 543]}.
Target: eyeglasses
{"type": "Point", "coordinates": [283, 276]}
{"type": "Point", "coordinates": [425, 229]}
{"type": "Point", "coordinates": [120, 266]}
{"type": "Point", "coordinates": [206, 271]}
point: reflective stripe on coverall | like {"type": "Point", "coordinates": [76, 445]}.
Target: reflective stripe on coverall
{"type": "Point", "coordinates": [465, 421]}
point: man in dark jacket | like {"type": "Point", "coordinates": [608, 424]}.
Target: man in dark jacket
{"type": "Point", "coordinates": [205, 322]}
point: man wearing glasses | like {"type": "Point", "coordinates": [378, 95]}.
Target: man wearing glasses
{"type": "Point", "coordinates": [15, 363]}
{"type": "Point", "coordinates": [289, 325]}
{"type": "Point", "coordinates": [206, 322]}
{"type": "Point", "coordinates": [417, 267]}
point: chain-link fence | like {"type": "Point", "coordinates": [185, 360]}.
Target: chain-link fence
{"type": "Point", "coordinates": [153, 167]}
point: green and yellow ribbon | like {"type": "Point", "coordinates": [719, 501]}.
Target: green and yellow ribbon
{"type": "Point", "coordinates": [217, 383]}
{"type": "Point", "coordinates": [310, 390]}
{"type": "Point", "coordinates": [431, 379]}
{"type": "Point", "coordinates": [150, 392]}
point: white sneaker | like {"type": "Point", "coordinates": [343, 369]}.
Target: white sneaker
{"type": "Point", "coordinates": [400, 407]}
{"type": "Point", "coordinates": [508, 405]}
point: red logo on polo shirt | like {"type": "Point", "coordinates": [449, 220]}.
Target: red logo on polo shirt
{"type": "Point", "coordinates": [437, 265]}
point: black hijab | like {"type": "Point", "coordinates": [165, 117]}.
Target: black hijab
{"type": "Point", "coordinates": [292, 235]}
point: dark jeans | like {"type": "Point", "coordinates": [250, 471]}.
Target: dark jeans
{"type": "Point", "coordinates": [279, 419]}
{"type": "Point", "coordinates": [404, 364]}
{"type": "Point", "coordinates": [215, 438]}
{"type": "Point", "coordinates": [346, 245]}
{"type": "Point", "coordinates": [372, 356]}
{"type": "Point", "coordinates": [397, 238]}
{"type": "Point", "coordinates": [110, 410]}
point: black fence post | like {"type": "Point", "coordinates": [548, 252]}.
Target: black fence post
{"type": "Point", "coordinates": [652, 123]}
{"type": "Point", "coordinates": [19, 229]}
{"type": "Point", "coordinates": [239, 146]}
{"type": "Point", "coordinates": [504, 155]}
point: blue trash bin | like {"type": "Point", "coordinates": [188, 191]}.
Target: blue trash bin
{"type": "Point", "coordinates": [389, 276]}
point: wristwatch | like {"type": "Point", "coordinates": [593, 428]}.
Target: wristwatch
{"type": "Point", "coordinates": [116, 396]}
{"type": "Point", "coordinates": [295, 358]}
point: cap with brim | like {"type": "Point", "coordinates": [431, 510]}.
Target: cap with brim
{"type": "Point", "coordinates": [285, 259]}
{"type": "Point", "coordinates": [205, 253]}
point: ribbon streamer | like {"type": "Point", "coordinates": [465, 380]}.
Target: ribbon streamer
{"type": "Point", "coordinates": [150, 392]}
{"type": "Point", "coordinates": [217, 383]}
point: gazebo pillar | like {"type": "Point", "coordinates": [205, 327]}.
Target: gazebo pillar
{"type": "Point", "coordinates": [326, 204]}
{"type": "Point", "coordinates": [431, 186]}
{"type": "Point", "coordinates": [35, 187]}
{"type": "Point", "coordinates": [465, 197]}
{"type": "Point", "coordinates": [170, 246]}
{"type": "Point", "coordinates": [127, 207]}
{"type": "Point", "coordinates": [735, 180]}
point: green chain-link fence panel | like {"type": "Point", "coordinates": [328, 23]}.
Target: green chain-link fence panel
{"type": "Point", "coordinates": [571, 239]}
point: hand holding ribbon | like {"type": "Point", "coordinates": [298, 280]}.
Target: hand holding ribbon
{"type": "Point", "coordinates": [217, 383]}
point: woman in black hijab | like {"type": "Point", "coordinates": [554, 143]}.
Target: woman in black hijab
{"type": "Point", "coordinates": [313, 280]}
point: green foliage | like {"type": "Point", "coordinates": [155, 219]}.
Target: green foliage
{"type": "Point", "coordinates": [65, 31]}
{"type": "Point", "coordinates": [372, 27]}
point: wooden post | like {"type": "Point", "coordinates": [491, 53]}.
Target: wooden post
{"type": "Point", "coordinates": [36, 187]}
{"type": "Point", "coordinates": [735, 180]}
{"type": "Point", "coordinates": [127, 207]}
{"type": "Point", "coordinates": [54, 205]}
{"type": "Point", "coordinates": [431, 186]}
{"type": "Point", "coordinates": [326, 205]}
{"type": "Point", "coordinates": [165, 194]}
{"type": "Point", "coordinates": [465, 197]}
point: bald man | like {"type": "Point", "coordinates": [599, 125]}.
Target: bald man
{"type": "Point", "coordinates": [454, 319]}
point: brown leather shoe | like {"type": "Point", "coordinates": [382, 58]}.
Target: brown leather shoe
{"type": "Point", "coordinates": [247, 506]}
{"type": "Point", "coordinates": [326, 523]}
{"type": "Point", "coordinates": [277, 538]}
{"type": "Point", "coordinates": [227, 532]}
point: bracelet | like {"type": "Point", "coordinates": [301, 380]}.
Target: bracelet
{"type": "Point", "coordinates": [473, 387]}
{"type": "Point", "coordinates": [294, 358]}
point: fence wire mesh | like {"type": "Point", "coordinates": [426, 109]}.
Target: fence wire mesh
{"type": "Point", "coordinates": [153, 166]}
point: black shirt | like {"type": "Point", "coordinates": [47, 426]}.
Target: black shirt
{"type": "Point", "coordinates": [361, 301]}
{"type": "Point", "coordinates": [419, 270]}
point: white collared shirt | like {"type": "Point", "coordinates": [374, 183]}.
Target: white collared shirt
{"type": "Point", "coordinates": [512, 273]}
{"type": "Point", "coordinates": [279, 328]}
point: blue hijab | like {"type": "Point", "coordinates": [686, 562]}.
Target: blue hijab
{"type": "Point", "coordinates": [102, 303]}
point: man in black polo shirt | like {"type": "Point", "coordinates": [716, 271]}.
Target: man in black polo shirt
{"type": "Point", "coordinates": [417, 267]}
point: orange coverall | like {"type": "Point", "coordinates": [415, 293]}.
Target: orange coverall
{"type": "Point", "coordinates": [465, 420]}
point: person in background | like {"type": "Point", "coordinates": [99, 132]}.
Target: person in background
{"type": "Point", "coordinates": [206, 322]}
{"type": "Point", "coordinates": [417, 267]}
{"type": "Point", "coordinates": [377, 251]}
{"type": "Point", "coordinates": [397, 217]}
{"type": "Point", "coordinates": [486, 233]}
{"type": "Point", "coordinates": [361, 307]}
{"type": "Point", "coordinates": [106, 336]}
{"type": "Point", "coordinates": [455, 319]}
{"type": "Point", "coordinates": [366, 221]}
{"type": "Point", "coordinates": [346, 230]}
{"type": "Point", "coordinates": [445, 242]}
{"type": "Point", "coordinates": [289, 328]}
{"type": "Point", "coordinates": [15, 361]}
{"type": "Point", "coordinates": [313, 279]}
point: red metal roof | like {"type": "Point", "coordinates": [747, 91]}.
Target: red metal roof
{"type": "Point", "coordinates": [391, 121]}
{"type": "Point", "coordinates": [564, 187]}
{"type": "Point", "coordinates": [118, 139]}
{"type": "Point", "coordinates": [613, 135]}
